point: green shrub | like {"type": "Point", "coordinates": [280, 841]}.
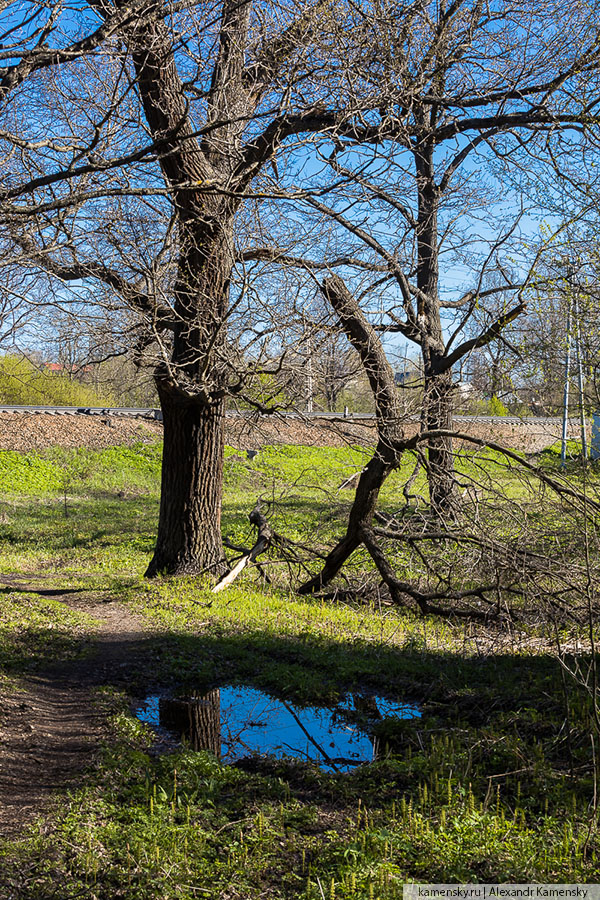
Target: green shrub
{"type": "Point", "coordinates": [497, 407]}
{"type": "Point", "coordinates": [24, 384]}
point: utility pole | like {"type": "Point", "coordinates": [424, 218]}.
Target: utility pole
{"type": "Point", "coordinates": [307, 339]}
{"type": "Point", "coordinates": [309, 378]}
{"type": "Point", "coordinates": [565, 422]}
{"type": "Point", "coordinates": [573, 314]}
{"type": "Point", "coordinates": [584, 450]}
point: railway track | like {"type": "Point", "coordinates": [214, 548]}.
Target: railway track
{"type": "Point", "coordinates": [156, 414]}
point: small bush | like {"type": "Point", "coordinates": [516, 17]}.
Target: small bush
{"type": "Point", "coordinates": [24, 384]}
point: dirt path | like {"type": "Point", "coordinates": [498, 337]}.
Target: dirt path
{"type": "Point", "coordinates": [51, 729]}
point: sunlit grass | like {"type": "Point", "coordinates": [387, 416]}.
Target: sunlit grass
{"type": "Point", "coordinates": [492, 783]}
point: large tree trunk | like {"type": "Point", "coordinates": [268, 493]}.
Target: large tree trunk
{"type": "Point", "coordinates": [437, 399]}
{"type": "Point", "coordinates": [189, 525]}
{"type": "Point", "coordinates": [437, 415]}
{"type": "Point", "coordinates": [192, 389]}
{"type": "Point", "coordinates": [192, 384]}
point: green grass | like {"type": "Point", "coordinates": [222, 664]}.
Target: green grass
{"type": "Point", "coordinates": [33, 629]}
{"type": "Point", "coordinates": [66, 511]}
{"type": "Point", "coordinates": [493, 783]}
{"type": "Point", "coordinates": [188, 826]}
{"type": "Point", "coordinates": [29, 473]}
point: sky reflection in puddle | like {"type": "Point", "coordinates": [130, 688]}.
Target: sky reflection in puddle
{"type": "Point", "coordinates": [234, 722]}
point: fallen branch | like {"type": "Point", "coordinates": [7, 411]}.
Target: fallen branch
{"type": "Point", "coordinates": [263, 542]}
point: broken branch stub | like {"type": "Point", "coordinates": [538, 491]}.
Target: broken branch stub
{"type": "Point", "coordinates": [262, 543]}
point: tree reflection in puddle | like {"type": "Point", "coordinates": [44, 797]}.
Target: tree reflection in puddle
{"type": "Point", "coordinates": [234, 722]}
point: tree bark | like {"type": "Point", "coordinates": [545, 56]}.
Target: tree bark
{"type": "Point", "coordinates": [391, 443]}
{"type": "Point", "coordinates": [192, 393]}
{"type": "Point", "coordinates": [189, 526]}
{"type": "Point", "coordinates": [382, 464]}
{"type": "Point", "coordinates": [436, 416]}
{"type": "Point", "coordinates": [437, 399]}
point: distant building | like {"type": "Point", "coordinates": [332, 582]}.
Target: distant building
{"type": "Point", "coordinates": [464, 389]}
{"type": "Point", "coordinates": [60, 369]}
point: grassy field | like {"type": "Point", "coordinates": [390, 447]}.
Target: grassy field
{"type": "Point", "coordinates": [496, 781]}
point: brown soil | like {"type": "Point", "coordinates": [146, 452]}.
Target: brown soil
{"type": "Point", "coordinates": [51, 728]}
{"type": "Point", "coordinates": [248, 434]}
{"type": "Point", "coordinates": [36, 431]}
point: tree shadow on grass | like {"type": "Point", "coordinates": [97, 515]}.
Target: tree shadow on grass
{"type": "Point", "coordinates": [485, 719]}
{"type": "Point", "coordinates": [490, 721]}
{"type": "Point", "coordinates": [12, 588]}
{"type": "Point", "coordinates": [308, 668]}
{"type": "Point", "coordinates": [45, 525]}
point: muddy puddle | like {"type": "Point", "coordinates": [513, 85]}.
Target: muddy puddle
{"type": "Point", "coordinates": [235, 722]}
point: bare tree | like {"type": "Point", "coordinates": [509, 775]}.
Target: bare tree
{"type": "Point", "coordinates": [318, 363]}
{"type": "Point", "coordinates": [335, 367]}
{"type": "Point", "coordinates": [482, 107]}
{"type": "Point", "coordinates": [157, 139]}
{"type": "Point", "coordinates": [440, 186]}
{"type": "Point", "coordinates": [526, 364]}
{"type": "Point", "coordinates": [157, 130]}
